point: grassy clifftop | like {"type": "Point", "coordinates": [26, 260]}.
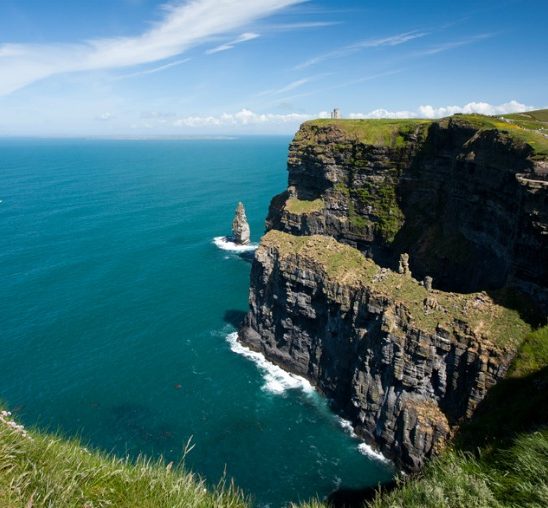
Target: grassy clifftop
{"type": "Point", "coordinates": [378, 132]}
{"type": "Point", "coordinates": [341, 263]}
{"type": "Point", "coordinates": [530, 128]}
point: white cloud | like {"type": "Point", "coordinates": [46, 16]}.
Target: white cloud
{"type": "Point", "coordinates": [304, 24]}
{"type": "Point", "coordinates": [428, 111]}
{"type": "Point", "coordinates": [154, 69]}
{"type": "Point", "coordinates": [286, 88]}
{"type": "Point", "coordinates": [383, 113]}
{"type": "Point", "coordinates": [453, 45]}
{"type": "Point", "coordinates": [105, 116]}
{"type": "Point", "coordinates": [393, 40]}
{"type": "Point", "coordinates": [185, 24]}
{"type": "Point", "coordinates": [242, 117]}
{"type": "Point", "coordinates": [248, 36]}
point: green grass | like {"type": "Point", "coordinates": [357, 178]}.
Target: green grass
{"type": "Point", "coordinates": [530, 128]}
{"type": "Point", "coordinates": [539, 115]}
{"type": "Point", "coordinates": [498, 324]}
{"type": "Point", "coordinates": [301, 206]}
{"type": "Point", "coordinates": [40, 470]}
{"type": "Point", "coordinates": [379, 132]}
{"type": "Point", "coordinates": [519, 131]}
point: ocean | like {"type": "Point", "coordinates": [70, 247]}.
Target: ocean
{"type": "Point", "coordinates": [120, 302]}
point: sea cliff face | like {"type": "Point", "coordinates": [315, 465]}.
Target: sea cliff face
{"type": "Point", "coordinates": [405, 362]}
{"type": "Point", "coordinates": [405, 365]}
{"type": "Point", "coordinates": [468, 203]}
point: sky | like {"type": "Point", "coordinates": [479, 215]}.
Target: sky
{"type": "Point", "coordinates": [221, 67]}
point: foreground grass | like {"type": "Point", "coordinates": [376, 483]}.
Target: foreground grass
{"type": "Point", "coordinates": [38, 470]}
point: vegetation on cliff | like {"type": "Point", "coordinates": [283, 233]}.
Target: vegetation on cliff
{"type": "Point", "coordinates": [378, 132]}
{"type": "Point", "coordinates": [302, 206]}
{"type": "Point", "coordinates": [429, 309]}
{"type": "Point", "coordinates": [530, 128]}
{"type": "Point", "coordinates": [41, 470]}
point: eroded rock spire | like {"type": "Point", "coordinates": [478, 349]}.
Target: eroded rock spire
{"type": "Point", "coordinates": [240, 227]}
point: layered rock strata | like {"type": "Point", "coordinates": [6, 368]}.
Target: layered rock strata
{"type": "Point", "coordinates": [404, 364]}
{"type": "Point", "coordinates": [372, 207]}
{"type": "Point", "coordinates": [466, 202]}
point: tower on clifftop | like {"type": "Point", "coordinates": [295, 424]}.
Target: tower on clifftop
{"type": "Point", "coordinates": [336, 114]}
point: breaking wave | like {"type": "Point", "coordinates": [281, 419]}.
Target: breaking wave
{"type": "Point", "coordinates": [276, 379]}
{"type": "Point", "coordinates": [363, 448]}
{"type": "Point", "coordinates": [225, 244]}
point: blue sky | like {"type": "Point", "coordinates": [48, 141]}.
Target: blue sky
{"type": "Point", "coordinates": [151, 67]}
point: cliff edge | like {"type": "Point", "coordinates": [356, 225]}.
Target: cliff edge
{"type": "Point", "coordinates": [408, 354]}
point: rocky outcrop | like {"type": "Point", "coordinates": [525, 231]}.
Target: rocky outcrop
{"type": "Point", "coordinates": [405, 365]}
{"type": "Point", "coordinates": [467, 202]}
{"type": "Point", "coordinates": [371, 208]}
{"type": "Point", "coordinates": [240, 227]}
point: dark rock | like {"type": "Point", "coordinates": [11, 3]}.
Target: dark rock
{"type": "Point", "coordinates": [469, 205]}
{"type": "Point", "coordinates": [404, 387]}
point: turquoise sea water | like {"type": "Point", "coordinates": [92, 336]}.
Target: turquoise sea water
{"type": "Point", "coordinates": [116, 307]}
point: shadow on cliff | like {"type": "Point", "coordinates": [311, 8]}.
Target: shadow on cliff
{"type": "Point", "coordinates": [512, 406]}
{"type": "Point", "coordinates": [355, 498]}
{"type": "Point", "coordinates": [234, 317]}
{"type": "Point", "coordinates": [247, 256]}
{"type": "Point", "coordinates": [524, 305]}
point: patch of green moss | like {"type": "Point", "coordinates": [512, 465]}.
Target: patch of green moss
{"type": "Point", "coordinates": [381, 196]}
{"type": "Point", "coordinates": [302, 206]}
{"type": "Point", "coordinates": [532, 355]}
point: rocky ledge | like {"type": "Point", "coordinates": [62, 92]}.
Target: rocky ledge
{"type": "Point", "coordinates": [403, 363]}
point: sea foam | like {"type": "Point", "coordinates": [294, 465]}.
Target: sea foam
{"type": "Point", "coordinates": [225, 244]}
{"type": "Point", "coordinates": [365, 449]}
{"type": "Point", "coordinates": [276, 379]}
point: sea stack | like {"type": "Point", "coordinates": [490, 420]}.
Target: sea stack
{"type": "Point", "coordinates": [240, 226]}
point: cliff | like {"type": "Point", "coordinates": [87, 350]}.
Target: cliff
{"type": "Point", "coordinates": [466, 198]}
{"type": "Point", "coordinates": [404, 364]}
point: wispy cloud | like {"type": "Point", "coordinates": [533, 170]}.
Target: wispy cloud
{"type": "Point", "coordinates": [154, 69]}
{"type": "Point", "coordinates": [248, 36]}
{"type": "Point", "coordinates": [291, 86]}
{"type": "Point", "coordinates": [184, 25]}
{"type": "Point", "coordinates": [446, 46]}
{"type": "Point", "coordinates": [393, 40]}
{"type": "Point", "coordinates": [281, 27]}
{"type": "Point", "coordinates": [428, 111]}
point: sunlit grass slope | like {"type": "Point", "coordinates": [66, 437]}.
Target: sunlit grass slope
{"type": "Point", "coordinates": [40, 470]}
